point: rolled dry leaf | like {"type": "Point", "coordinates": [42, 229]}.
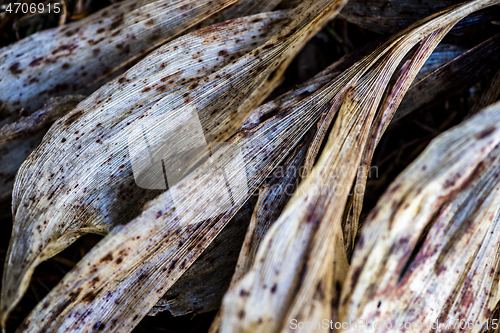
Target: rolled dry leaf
{"type": "Point", "coordinates": [79, 57]}
{"type": "Point", "coordinates": [99, 203]}
{"type": "Point", "coordinates": [272, 199]}
{"type": "Point", "coordinates": [388, 107]}
{"type": "Point", "coordinates": [301, 263]}
{"type": "Point", "coordinates": [428, 254]}
{"type": "Point", "coordinates": [452, 78]}
{"type": "Point", "coordinates": [240, 86]}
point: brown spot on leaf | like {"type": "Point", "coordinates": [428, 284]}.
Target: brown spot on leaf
{"type": "Point", "coordinates": [71, 32]}
{"type": "Point", "coordinates": [241, 314]}
{"type": "Point", "coordinates": [74, 294]}
{"type": "Point", "coordinates": [88, 298]}
{"type": "Point", "coordinates": [223, 53]}
{"type": "Point", "coordinates": [486, 132]}
{"type": "Point", "coordinates": [71, 119]}
{"type": "Point", "coordinates": [32, 80]}
{"type": "Point", "coordinates": [117, 22]}
{"type": "Point", "coordinates": [36, 62]}
{"type": "Point", "coordinates": [14, 68]}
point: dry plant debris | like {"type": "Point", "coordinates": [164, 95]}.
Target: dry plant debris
{"type": "Point", "coordinates": [226, 163]}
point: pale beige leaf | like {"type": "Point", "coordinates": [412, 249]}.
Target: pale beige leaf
{"type": "Point", "coordinates": [429, 250]}
{"type": "Point", "coordinates": [70, 160]}
{"type": "Point", "coordinates": [302, 254]}
{"type": "Point", "coordinates": [241, 84]}
{"type": "Point", "coordinates": [81, 56]}
{"type": "Point", "coordinates": [272, 199]}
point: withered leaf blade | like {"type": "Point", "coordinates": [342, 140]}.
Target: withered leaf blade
{"type": "Point", "coordinates": [302, 257]}
{"type": "Point", "coordinates": [81, 56]}
{"type": "Point", "coordinates": [96, 201]}
{"type": "Point", "coordinates": [429, 250]}
{"type": "Point", "coordinates": [389, 105]}
{"type": "Point", "coordinates": [213, 270]}
{"type": "Point", "coordinates": [260, 70]}
{"type": "Point", "coordinates": [272, 199]}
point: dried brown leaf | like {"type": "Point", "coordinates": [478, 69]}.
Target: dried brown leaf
{"type": "Point", "coordinates": [301, 259]}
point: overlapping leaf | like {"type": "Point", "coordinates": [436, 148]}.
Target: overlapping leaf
{"type": "Point", "coordinates": [201, 287]}
{"type": "Point", "coordinates": [429, 252]}
{"type": "Point", "coordinates": [223, 99]}
{"type": "Point", "coordinates": [213, 270]}
{"type": "Point", "coordinates": [452, 77]}
{"type": "Point", "coordinates": [390, 16]}
{"type": "Point", "coordinates": [187, 58]}
{"type": "Point", "coordinates": [301, 263]}
{"type": "Point", "coordinates": [81, 56]}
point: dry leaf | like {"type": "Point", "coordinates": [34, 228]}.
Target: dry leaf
{"type": "Point", "coordinates": [301, 263]}
{"type": "Point", "coordinates": [272, 199]}
{"type": "Point", "coordinates": [390, 16]}
{"type": "Point", "coordinates": [429, 251]}
{"type": "Point", "coordinates": [452, 78]}
{"type": "Point", "coordinates": [201, 287]}
{"type": "Point", "coordinates": [240, 86]}
{"type": "Point", "coordinates": [176, 64]}
{"type": "Point", "coordinates": [81, 56]}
